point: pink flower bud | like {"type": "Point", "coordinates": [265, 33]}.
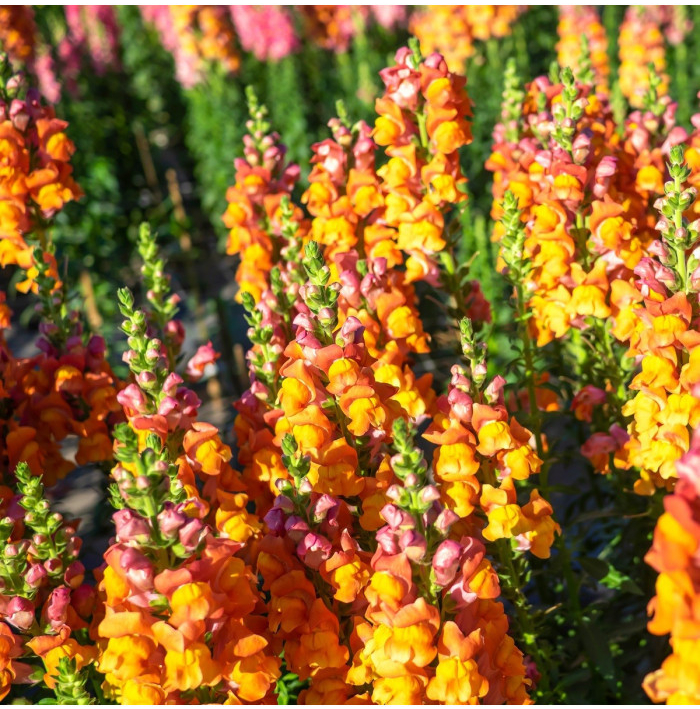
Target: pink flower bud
{"type": "Point", "coordinates": [53, 566]}
{"type": "Point", "coordinates": [175, 332]}
{"type": "Point", "coordinates": [171, 384]}
{"type": "Point", "coordinates": [74, 574]}
{"type": "Point", "coordinates": [275, 520]}
{"type": "Point", "coordinates": [283, 485]}
{"type": "Point", "coordinates": [314, 549]}
{"type": "Point", "coordinates": [395, 492]}
{"type": "Point", "coordinates": [131, 527]}
{"type": "Point", "coordinates": [305, 487]}
{"type": "Point", "coordinates": [411, 480]}
{"type": "Point", "coordinates": [413, 544]}
{"type": "Point", "coordinates": [83, 600]}
{"type": "Point", "coordinates": [205, 356]}
{"type": "Point", "coordinates": [352, 331]}
{"type": "Point", "coordinates": [146, 380]}
{"type": "Point", "coordinates": [429, 494]}
{"type": "Point", "coordinates": [170, 520]}
{"type": "Point", "coordinates": [132, 399]}
{"type": "Point", "coordinates": [296, 528]}
{"type": "Point", "coordinates": [397, 518]}
{"type": "Point", "coordinates": [322, 506]}
{"type": "Point", "coordinates": [326, 315]}
{"type": "Point", "coordinates": [460, 402]}
{"type": "Point", "coordinates": [192, 534]}
{"type": "Point", "coordinates": [35, 575]}
{"type": "Point", "coordinates": [138, 568]}
{"type": "Point", "coordinates": [446, 561]}
{"type": "Point", "coordinates": [445, 520]}
{"type": "Point", "coordinates": [19, 115]}
{"type": "Point", "coordinates": [20, 613]}
{"type": "Point", "coordinates": [494, 391]}
{"type": "Point", "coordinates": [480, 370]}
{"type": "Point", "coordinates": [56, 608]}
{"type": "Point", "coordinates": [386, 539]}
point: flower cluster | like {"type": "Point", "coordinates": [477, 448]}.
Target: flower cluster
{"type": "Point", "coordinates": [577, 22]}
{"type": "Point", "coordinates": [18, 32]}
{"type": "Point", "coordinates": [597, 238]}
{"type": "Point", "coordinates": [641, 43]}
{"type": "Point", "coordinates": [552, 158]}
{"type": "Point", "coordinates": [36, 179]}
{"type": "Point", "coordinates": [263, 179]}
{"type": "Point", "coordinates": [453, 29]}
{"type": "Point", "coordinates": [674, 555]}
{"type": "Point", "coordinates": [66, 390]}
{"type": "Point", "coordinates": [361, 552]}
{"type": "Point", "coordinates": [475, 435]}
{"type": "Point", "coordinates": [199, 34]}
{"type": "Point", "coordinates": [364, 226]}
{"type": "Point", "coordinates": [195, 35]}
{"type": "Point", "coordinates": [93, 33]}
{"type": "Point", "coordinates": [658, 320]}
{"type": "Point", "coordinates": [591, 238]}
{"type": "Point", "coordinates": [175, 591]}
{"type": "Point", "coordinates": [329, 445]}
{"type": "Point", "coordinates": [44, 601]}
{"type": "Point", "coordinates": [265, 30]}
{"type": "Point", "coordinates": [333, 27]}
{"type": "Point", "coordinates": [419, 566]}
{"type": "Point", "coordinates": [423, 121]}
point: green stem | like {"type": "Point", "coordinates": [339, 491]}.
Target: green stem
{"type": "Point", "coordinates": [535, 414]}
{"type": "Point", "coordinates": [523, 611]}
{"type": "Point", "coordinates": [422, 127]}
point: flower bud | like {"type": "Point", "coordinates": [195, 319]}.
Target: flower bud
{"type": "Point", "coordinates": [170, 520]}
{"type": "Point", "coordinates": [147, 380]}
{"type": "Point", "coordinates": [74, 574]}
{"type": "Point", "coordinates": [53, 566]}
{"type": "Point", "coordinates": [296, 528]}
{"type": "Point", "coordinates": [445, 520]}
{"type": "Point", "coordinates": [275, 520]}
{"type": "Point", "coordinates": [305, 487]}
{"type": "Point", "coordinates": [397, 518]}
{"type": "Point", "coordinates": [429, 494]}
{"type": "Point", "coordinates": [56, 608]}
{"type": "Point", "coordinates": [192, 534]}
{"type": "Point", "coordinates": [20, 613]}
{"type": "Point", "coordinates": [83, 600]}
{"type": "Point", "coordinates": [413, 544]}
{"type": "Point", "coordinates": [35, 575]}
{"type": "Point", "coordinates": [314, 549]}
{"type": "Point", "coordinates": [131, 527]}
{"type": "Point", "coordinates": [446, 561]}
{"type": "Point", "coordinates": [138, 568]}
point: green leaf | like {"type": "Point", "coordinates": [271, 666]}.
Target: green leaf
{"type": "Point", "coordinates": [607, 575]}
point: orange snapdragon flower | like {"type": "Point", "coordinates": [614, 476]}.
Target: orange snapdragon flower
{"type": "Point", "coordinates": [575, 20]}
{"type": "Point", "coordinates": [452, 29]}
{"type": "Point", "coordinates": [641, 43]}
{"type": "Point", "coordinates": [674, 555]}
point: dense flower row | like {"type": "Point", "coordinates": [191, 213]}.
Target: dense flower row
{"type": "Point", "coordinates": [603, 265]}
{"type": "Point", "coordinates": [380, 535]}
{"type": "Point", "coordinates": [453, 29]}
{"type": "Point", "coordinates": [324, 440]}
{"type": "Point", "coordinates": [201, 34]}
{"type": "Point", "coordinates": [604, 215]}
{"type": "Point", "coordinates": [674, 555]}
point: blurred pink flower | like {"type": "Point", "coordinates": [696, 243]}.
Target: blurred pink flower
{"type": "Point", "coordinates": [265, 30]}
